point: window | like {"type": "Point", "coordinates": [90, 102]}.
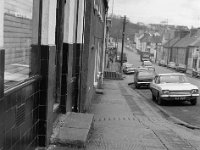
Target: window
{"type": "Point", "coordinates": [17, 40]}
{"type": "Point", "coordinates": [173, 79]}
{"type": "Point", "coordinates": [157, 80]}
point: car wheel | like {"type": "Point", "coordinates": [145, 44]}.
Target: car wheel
{"type": "Point", "coordinates": [159, 100]}
{"type": "Point", "coordinates": [193, 101]}
{"type": "Point", "coordinates": [137, 86]}
{"type": "Point", "coordinates": [153, 97]}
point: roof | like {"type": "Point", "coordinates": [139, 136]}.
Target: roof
{"type": "Point", "coordinates": [196, 43]}
{"type": "Point", "coordinates": [188, 40]}
{"type": "Point", "coordinates": [145, 38]}
{"type": "Point", "coordinates": [156, 39]}
{"type": "Point", "coordinates": [171, 42]}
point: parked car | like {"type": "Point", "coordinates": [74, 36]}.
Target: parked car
{"type": "Point", "coordinates": [144, 56]}
{"type": "Point", "coordinates": [162, 63]}
{"type": "Point", "coordinates": [195, 73]}
{"type": "Point", "coordinates": [171, 65]}
{"type": "Point", "coordinates": [143, 77]}
{"type": "Point", "coordinates": [148, 64]}
{"type": "Point", "coordinates": [173, 87]}
{"type": "Point", "coordinates": [150, 68]}
{"type": "Point", "coordinates": [129, 70]}
{"type": "Point", "coordinates": [181, 68]}
{"type": "Point", "coordinates": [126, 64]}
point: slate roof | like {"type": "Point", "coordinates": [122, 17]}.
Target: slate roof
{"type": "Point", "coordinates": [145, 38]}
{"type": "Point", "coordinates": [196, 43]}
{"type": "Point", "coordinates": [188, 40]}
{"type": "Point", "coordinates": [156, 39]}
{"type": "Point", "coordinates": [171, 42]}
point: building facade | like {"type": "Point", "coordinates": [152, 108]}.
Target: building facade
{"type": "Point", "coordinates": [51, 54]}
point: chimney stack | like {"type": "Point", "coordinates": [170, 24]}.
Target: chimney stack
{"type": "Point", "coordinates": [181, 33]}
{"type": "Point", "coordinates": [193, 31]}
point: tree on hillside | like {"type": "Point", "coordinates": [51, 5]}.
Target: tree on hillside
{"type": "Point", "coordinates": [131, 28]}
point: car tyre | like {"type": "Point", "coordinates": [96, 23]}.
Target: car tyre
{"type": "Point", "coordinates": [137, 86]}
{"type": "Point", "coordinates": [153, 97]}
{"type": "Point", "coordinates": [193, 101]}
{"type": "Point", "coordinates": [159, 100]}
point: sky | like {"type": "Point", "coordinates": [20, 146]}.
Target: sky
{"type": "Point", "coordinates": [177, 12]}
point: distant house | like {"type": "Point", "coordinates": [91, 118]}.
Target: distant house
{"type": "Point", "coordinates": [145, 43]}
{"type": "Point", "coordinates": [185, 47]}
{"type": "Point", "coordinates": [156, 44]}
{"type": "Point", "coordinates": [193, 63]}
{"type": "Point", "coordinates": [166, 36]}
{"type": "Point", "coordinates": [138, 37]}
{"type": "Point", "coordinates": [170, 51]}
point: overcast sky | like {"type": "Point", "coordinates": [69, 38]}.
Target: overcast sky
{"type": "Point", "coordinates": [178, 12]}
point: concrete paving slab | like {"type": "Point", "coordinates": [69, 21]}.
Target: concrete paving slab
{"type": "Point", "coordinates": [72, 129]}
{"type": "Point", "coordinates": [72, 137]}
{"type": "Point", "coordinates": [78, 120]}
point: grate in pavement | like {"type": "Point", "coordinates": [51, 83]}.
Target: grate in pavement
{"type": "Point", "coordinates": [114, 119]}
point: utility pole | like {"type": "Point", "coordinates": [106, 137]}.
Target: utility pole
{"type": "Point", "coordinates": [123, 34]}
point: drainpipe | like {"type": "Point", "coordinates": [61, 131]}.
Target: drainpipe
{"type": "Point", "coordinates": [40, 24]}
{"type": "Point", "coordinates": [77, 75]}
{"type": "Point", "coordinates": [80, 62]}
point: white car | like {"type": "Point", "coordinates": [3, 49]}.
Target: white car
{"type": "Point", "coordinates": [173, 86]}
{"type": "Point", "coordinates": [148, 65]}
{"type": "Point", "coordinates": [129, 70]}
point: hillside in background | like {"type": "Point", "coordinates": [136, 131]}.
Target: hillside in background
{"type": "Point", "coordinates": [131, 28]}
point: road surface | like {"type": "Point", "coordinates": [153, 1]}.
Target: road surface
{"type": "Point", "coordinates": [182, 110]}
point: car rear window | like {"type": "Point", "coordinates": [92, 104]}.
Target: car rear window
{"type": "Point", "coordinates": [173, 79]}
{"type": "Point", "coordinates": [146, 73]}
{"type": "Point", "coordinates": [147, 63]}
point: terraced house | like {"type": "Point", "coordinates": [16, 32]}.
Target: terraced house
{"type": "Point", "coordinates": [183, 49]}
{"type": "Point", "coordinates": [51, 56]}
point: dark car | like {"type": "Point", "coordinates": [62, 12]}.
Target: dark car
{"type": "Point", "coordinates": [143, 78]}
{"type": "Point", "coordinates": [144, 56]}
{"type": "Point", "coordinates": [181, 68]}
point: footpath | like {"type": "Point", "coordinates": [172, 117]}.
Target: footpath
{"type": "Point", "coordinates": [123, 120]}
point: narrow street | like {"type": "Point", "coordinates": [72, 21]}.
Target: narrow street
{"type": "Point", "coordinates": [183, 111]}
